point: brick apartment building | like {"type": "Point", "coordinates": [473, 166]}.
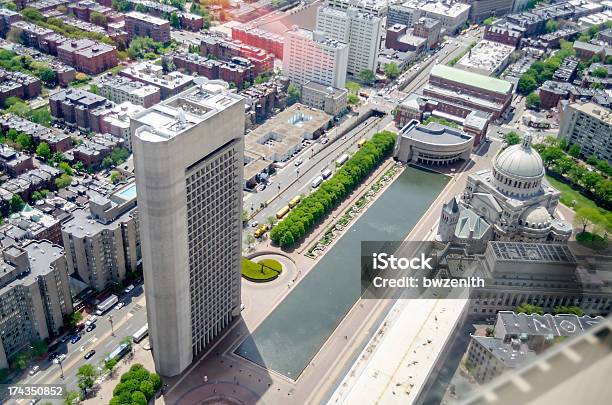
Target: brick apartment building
{"type": "Point", "coordinates": [143, 25]}
{"type": "Point", "coordinates": [503, 35]}
{"type": "Point", "coordinates": [237, 70]}
{"type": "Point", "coordinates": [77, 107]}
{"type": "Point", "coordinates": [191, 22]}
{"type": "Point", "coordinates": [57, 140]}
{"type": "Point", "coordinates": [225, 49]}
{"type": "Point", "coordinates": [17, 84]}
{"type": "Point", "coordinates": [7, 18]}
{"type": "Point", "coordinates": [88, 56]}
{"type": "Point", "coordinates": [259, 38]}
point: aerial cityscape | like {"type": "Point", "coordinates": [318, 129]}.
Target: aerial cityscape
{"type": "Point", "coordinates": [340, 202]}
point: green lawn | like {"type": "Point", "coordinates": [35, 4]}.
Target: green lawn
{"type": "Point", "coordinates": [568, 195]}
{"type": "Point", "coordinates": [265, 270]}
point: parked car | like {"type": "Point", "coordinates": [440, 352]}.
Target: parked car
{"type": "Point", "coordinates": [129, 289]}
{"type": "Point", "coordinates": [75, 339]}
{"type": "Point", "coordinates": [65, 338]}
{"type": "Point", "coordinates": [90, 327]}
{"type": "Point", "coordinates": [89, 354]}
{"type": "Point", "coordinates": [59, 358]}
{"type": "Point", "coordinates": [120, 305]}
{"type": "Point", "coordinates": [254, 224]}
{"type": "Point", "coordinates": [53, 356]}
{"type": "Point", "coordinates": [34, 370]}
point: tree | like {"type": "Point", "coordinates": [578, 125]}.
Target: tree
{"type": "Point", "coordinates": [107, 163]}
{"type": "Point", "coordinates": [293, 93]}
{"type": "Point", "coordinates": [489, 21]}
{"type": "Point", "coordinates": [367, 76]}
{"type": "Point", "coordinates": [16, 204]}
{"type": "Point", "coordinates": [72, 397]}
{"type": "Point", "coordinates": [86, 376]}
{"type": "Point", "coordinates": [352, 99]}
{"type": "Point", "coordinates": [175, 22]}
{"type": "Point", "coordinates": [49, 76]}
{"type": "Point", "coordinates": [139, 398]}
{"type": "Point", "coordinates": [43, 150]}
{"type": "Point", "coordinates": [271, 220]}
{"type": "Point", "coordinates": [572, 310]}
{"type": "Point", "coordinates": [529, 309]}
{"type": "Point", "coordinates": [392, 71]}
{"type": "Point", "coordinates": [527, 84]}
{"type": "Point", "coordinates": [25, 141]}
{"type": "Point", "coordinates": [586, 216]}
{"type": "Point", "coordinates": [115, 177]}
{"type": "Point", "coordinates": [574, 151]}
{"type": "Point", "coordinates": [533, 101]}
{"type": "Point", "coordinates": [65, 167]}
{"type": "Point", "coordinates": [63, 181]}
{"type": "Point", "coordinates": [352, 87]}
{"type": "Point", "coordinates": [512, 138]}
{"type": "Point", "coordinates": [39, 347]}
{"type": "Point", "coordinates": [73, 319]}
{"type": "Point", "coordinates": [552, 26]}
{"type": "Point", "coordinates": [98, 18]}
{"type": "Point", "coordinates": [600, 72]}
{"type": "Point", "coordinates": [40, 116]}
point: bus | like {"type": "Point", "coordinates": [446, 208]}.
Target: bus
{"type": "Point", "coordinates": [361, 143]}
{"type": "Point", "coordinates": [140, 333]}
{"type": "Point", "coordinates": [118, 353]}
{"type": "Point", "coordinates": [342, 159]}
{"type": "Point", "coordinates": [326, 173]}
{"type": "Point", "coordinates": [316, 182]}
{"type": "Point", "coordinates": [106, 304]}
{"type": "Point", "coordinates": [283, 211]}
{"type": "Point", "coordinates": [261, 230]}
{"type": "Point", "coordinates": [294, 201]}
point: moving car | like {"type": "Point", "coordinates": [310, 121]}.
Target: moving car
{"type": "Point", "coordinates": [59, 358]}
{"type": "Point", "coordinates": [89, 354]}
{"type": "Point", "coordinates": [34, 370]}
{"type": "Point", "coordinates": [298, 162]}
{"type": "Point", "coordinates": [120, 305]}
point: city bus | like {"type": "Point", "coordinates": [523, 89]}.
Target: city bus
{"type": "Point", "coordinates": [361, 143]}
{"type": "Point", "coordinates": [294, 201]}
{"type": "Point", "coordinates": [140, 333]}
{"type": "Point", "coordinates": [283, 211]}
{"type": "Point", "coordinates": [118, 353]}
{"type": "Point", "coordinates": [342, 159]}
{"type": "Point", "coordinates": [261, 230]}
{"type": "Point", "coordinates": [107, 304]}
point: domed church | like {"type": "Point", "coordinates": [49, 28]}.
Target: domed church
{"type": "Point", "coordinates": [511, 202]}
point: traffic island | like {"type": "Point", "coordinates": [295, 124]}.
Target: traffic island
{"type": "Point", "coordinates": [261, 272]}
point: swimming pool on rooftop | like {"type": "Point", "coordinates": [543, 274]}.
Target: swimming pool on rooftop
{"type": "Point", "coordinates": [128, 193]}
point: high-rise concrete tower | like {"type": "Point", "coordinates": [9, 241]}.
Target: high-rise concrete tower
{"type": "Point", "coordinates": [188, 157]}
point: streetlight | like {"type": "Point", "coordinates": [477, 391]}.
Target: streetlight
{"type": "Point", "coordinates": [59, 361]}
{"type": "Point", "coordinates": [110, 319]}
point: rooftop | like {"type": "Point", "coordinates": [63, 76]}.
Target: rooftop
{"type": "Point", "coordinates": [531, 252]}
{"type": "Point", "coordinates": [595, 111]}
{"type": "Point", "coordinates": [472, 79]}
{"type": "Point", "coordinates": [486, 55]}
{"type": "Point", "coordinates": [176, 115]}
{"type": "Point", "coordinates": [435, 134]}
{"type": "Point", "coordinates": [147, 18]}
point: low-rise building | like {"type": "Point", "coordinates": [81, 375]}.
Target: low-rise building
{"type": "Point", "coordinates": [169, 84]}
{"type": "Point", "coordinates": [144, 25]}
{"type": "Point", "coordinates": [58, 141]}
{"type": "Point", "coordinates": [102, 241]}
{"type": "Point", "coordinates": [88, 56]}
{"type": "Point", "coordinates": [225, 48]}
{"type": "Point", "coordinates": [468, 89]}
{"type": "Point", "coordinates": [434, 144]}
{"type": "Point", "coordinates": [269, 41]}
{"type": "Point", "coordinates": [17, 84]}
{"type": "Point", "coordinates": [121, 89]}
{"type": "Point", "coordinates": [507, 34]}
{"type": "Point", "coordinates": [329, 99]}
{"type": "Point", "coordinates": [237, 70]}
{"type": "Point", "coordinates": [76, 107]}
{"type": "Point", "coordinates": [487, 58]}
{"type": "Point", "coordinates": [34, 296]}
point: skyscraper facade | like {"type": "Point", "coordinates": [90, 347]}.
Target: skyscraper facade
{"type": "Point", "coordinates": [188, 157]}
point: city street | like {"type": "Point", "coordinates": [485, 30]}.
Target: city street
{"type": "Point", "coordinates": [126, 321]}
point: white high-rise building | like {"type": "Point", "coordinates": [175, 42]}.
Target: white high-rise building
{"type": "Point", "coordinates": [312, 56]}
{"type": "Point", "coordinates": [361, 31]}
{"type": "Point", "coordinates": [188, 157]}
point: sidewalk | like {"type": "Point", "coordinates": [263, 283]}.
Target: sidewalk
{"type": "Point", "coordinates": [142, 356]}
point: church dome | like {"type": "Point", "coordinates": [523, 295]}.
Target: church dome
{"type": "Point", "coordinates": [520, 161]}
{"type": "Point", "coordinates": [536, 217]}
